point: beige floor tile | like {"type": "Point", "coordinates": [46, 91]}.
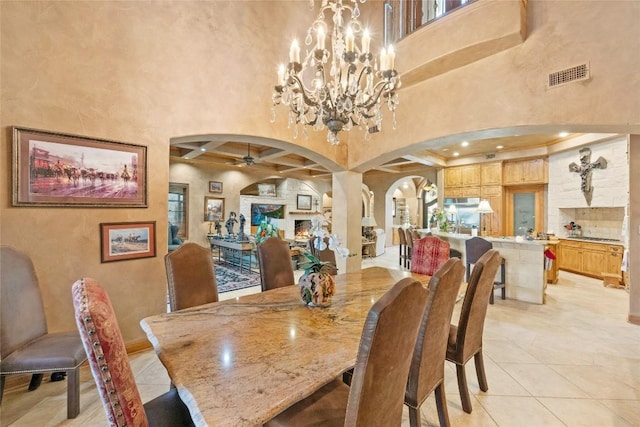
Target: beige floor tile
{"type": "Point", "coordinates": [541, 380]}
{"type": "Point", "coordinates": [583, 412]}
{"type": "Point", "coordinates": [627, 409]}
{"type": "Point", "coordinates": [599, 382]}
{"type": "Point", "coordinates": [518, 411]}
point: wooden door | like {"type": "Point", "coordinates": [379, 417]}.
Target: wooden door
{"type": "Point", "coordinates": [512, 194]}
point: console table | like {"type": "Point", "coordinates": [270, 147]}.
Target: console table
{"type": "Point", "coordinates": [234, 252]}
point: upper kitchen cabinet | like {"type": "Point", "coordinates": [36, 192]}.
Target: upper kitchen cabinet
{"type": "Point", "coordinates": [533, 171]}
{"type": "Point", "coordinates": [491, 173]}
{"type": "Point", "coordinates": [462, 181]}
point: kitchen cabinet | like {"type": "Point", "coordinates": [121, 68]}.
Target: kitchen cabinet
{"type": "Point", "coordinates": [471, 176]}
{"type": "Point", "coordinates": [453, 177]}
{"type": "Point", "coordinates": [462, 181]}
{"type": "Point", "coordinates": [533, 171]}
{"type": "Point", "coordinates": [491, 174]}
{"type": "Point", "coordinates": [588, 258]}
{"type": "Point", "coordinates": [493, 221]}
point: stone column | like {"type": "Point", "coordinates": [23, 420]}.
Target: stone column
{"type": "Point", "coordinates": [346, 214]}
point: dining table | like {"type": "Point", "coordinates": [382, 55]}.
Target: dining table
{"type": "Point", "coordinates": [242, 361]}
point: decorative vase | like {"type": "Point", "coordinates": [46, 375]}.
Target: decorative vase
{"type": "Point", "coordinates": [316, 289]}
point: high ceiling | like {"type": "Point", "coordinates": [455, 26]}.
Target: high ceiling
{"type": "Point", "coordinates": [231, 154]}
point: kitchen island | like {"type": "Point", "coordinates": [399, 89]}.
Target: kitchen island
{"type": "Point", "coordinates": [524, 263]}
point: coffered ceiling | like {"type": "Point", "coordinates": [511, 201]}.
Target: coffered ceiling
{"type": "Point", "coordinates": [230, 154]}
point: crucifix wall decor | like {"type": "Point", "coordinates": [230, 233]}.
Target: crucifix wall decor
{"type": "Point", "coordinates": [584, 169]}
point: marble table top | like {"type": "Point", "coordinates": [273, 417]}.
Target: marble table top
{"type": "Point", "coordinates": [240, 362]}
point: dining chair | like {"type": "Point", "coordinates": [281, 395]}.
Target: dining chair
{"type": "Point", "coordinates": [191, 276]}
{"type": "Point", "coordinates": [465, 339]}
{"type": "Point", "coordinates": [415, 235]}
{"type": "Point", "coordinates": [429, 254]}
{"type": "Point", "coordinates": [274, 258]}
{"type": "Point", "coordinates": [427, 365]}
{"type": "Point", "coordinates": [375, 397]}
{"type": "Point", "coordinates": [102, 340]}
{"type": "Point", "coordinates": [325, 255]}
{"type": "Point", "coordinates": [27, 347]}
{"type": "Point", "coordinates": [402, 238]}
{"type": "Point", "coordinates": [475, 248]}
{"type": "Point", "coordinates": [409, 251]}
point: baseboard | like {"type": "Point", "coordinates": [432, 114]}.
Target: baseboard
{"type": "Point", "coordinates": [634, 319]}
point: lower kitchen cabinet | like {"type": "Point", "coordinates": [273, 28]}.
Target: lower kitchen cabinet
{"type": "Point", "coordinates": [588, 258]}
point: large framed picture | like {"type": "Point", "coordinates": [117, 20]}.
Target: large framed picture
{"type": "Point", "coordinates": [56, 169]}
{"type": "Point", "coordinates": [121, 241]}
{"type": "Point", "coordinates": [260, 211]}
{"type": "Point", "coordinates": [304, 202]}
{"type": "Point", "coordinates": [213, 209]}
{"type": "Point", "coordinates": [215, 187]}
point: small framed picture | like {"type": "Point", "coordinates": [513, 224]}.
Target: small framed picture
{"type": "Point", "coordinates": [213, 209]}
{"type": "Point", "coordinates": [304, 202]}
{"type": "Point", "coordinates": [267, 190]}
{"type": "Point", "coordinates": [215, 187]}
{"type": "Point", "coordinates": [121, 241]}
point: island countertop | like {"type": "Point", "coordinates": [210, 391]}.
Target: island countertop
{"type": "Point", "coordinates": [526, 277]}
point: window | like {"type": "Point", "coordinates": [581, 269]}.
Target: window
{"type": "Point", "coordinates": [178, 208]}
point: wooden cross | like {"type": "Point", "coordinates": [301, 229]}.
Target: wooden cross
{"type": "Point", "coordinates": [584, 169]}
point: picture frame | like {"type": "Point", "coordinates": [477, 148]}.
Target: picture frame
{"type": "Point", "coordinates": [120, 241]}
{"type": "Point", "coordinates": [304, 202]}
{"type": "Point", "coordinates": [215, 187]}
{"type": "Point", "coordinates": [259, 211]}
{"type": "Point", "coordinates": [213, 209]}
{"type": "Point", "coordinates": [57, 169]}
{"type": "Point", "coordinates": [267, 190]}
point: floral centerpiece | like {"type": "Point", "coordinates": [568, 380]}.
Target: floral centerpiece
{"type": "Point", "coordinates": [266, 230]}
{"type": "Point", "coordinates": [316, 284]}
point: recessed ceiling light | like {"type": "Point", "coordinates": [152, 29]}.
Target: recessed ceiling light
{"type": "Point", "coordinates": [445, 149]}
{"type": "Point", "coordinates": [203, 149]}
{"type": "Point", "coordinates": [499, 147]}
{"type": "Point", "coordinates": [465, 143]}
{"type": "Point", "coordinates": [456, 154]}
{"type": "Point", "coordinates": [563, 134]}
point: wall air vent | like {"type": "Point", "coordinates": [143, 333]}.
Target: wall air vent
{"type": "Point", "coordinates": [491, 156]}
{"type": "Point", "coordinates": [569, 75]}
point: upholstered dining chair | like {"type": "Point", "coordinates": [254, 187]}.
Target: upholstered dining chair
{"type": "Point", "coordinates": [26, 345]}
{"type": "Point", "coordinates": [274, 258]}
{"type": "Point", "coordinates": [402, 249]}
{"type": "Point", "coordinates": [427, 366]}
{"type": "Point", "coordinates": [324, 255]}
{"type": "Point", "coordinates": [465, 339]}
{"type": "Point", "coordinates": [475, 248]}
{"type": "Point", "coordinates": [429, 254]}
{"type": "Point", "coordinates": [380, 375]}
{"type": "Point", "coordinates": [102, 339]}
{"type": "Point", "coordinates": [409, 251]}
{"type": "Point", "coordinates": [191, 276]}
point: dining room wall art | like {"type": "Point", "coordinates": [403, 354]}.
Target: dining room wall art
{"type": "Point", "coordinates": [121, 241]}
{"type": "Point", "coordinates": [57, 169]}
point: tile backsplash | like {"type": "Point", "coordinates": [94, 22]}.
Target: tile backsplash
{"type": "Point", "coordinates": [604, 223]}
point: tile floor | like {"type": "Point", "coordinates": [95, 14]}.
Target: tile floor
{"type": "Point", "coordinates": [574, 361]}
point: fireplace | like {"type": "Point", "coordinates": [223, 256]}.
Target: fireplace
{"type": "Point", "coordinates": [302, 227]}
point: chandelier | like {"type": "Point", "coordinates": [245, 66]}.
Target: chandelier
{"type": "Point", "coordinates": [341, 85]}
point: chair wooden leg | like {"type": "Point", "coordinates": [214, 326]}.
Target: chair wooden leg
{"type": "Point", "coordinates": [441, 404]}
{"type": "Point", "coordinates": [73, 392]}
{"type": "Point", "coordinates": [2, 378]}
{"type": "Point", "coordinates": [36, 380]}
{"type": "Point", "coordinates": [414, 417]}
{"type": "Point", "coordinates": [462, 387]}
{"type": "Point", "coordinates": [491, 296]}
{"type": "Point", "coordinates": [482, 378]}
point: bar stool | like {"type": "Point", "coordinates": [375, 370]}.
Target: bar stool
{"type": "Point", "coordinates": [402, 238]}
{"type": "Point", "coordinates": [409, 239]}
{"type": "Point", "coordinates": [476, 247]}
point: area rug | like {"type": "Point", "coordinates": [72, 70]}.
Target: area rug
{"type": "Point", "coordinates": [229, 278]}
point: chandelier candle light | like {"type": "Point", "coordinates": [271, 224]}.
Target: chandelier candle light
{"type": "Point", "coordinates": [348, 95]}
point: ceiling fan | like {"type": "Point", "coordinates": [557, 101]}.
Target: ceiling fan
{"type": "Point", "coordinates": [248, 160]}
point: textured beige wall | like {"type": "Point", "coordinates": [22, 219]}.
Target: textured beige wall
{"type": "Point", "coordinates": [144, 72]}
{"type": "Point", "coordinates": [507, 91]}
{"type": "Point", "coordinates": [137, 72]}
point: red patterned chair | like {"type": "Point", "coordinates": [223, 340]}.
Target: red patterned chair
{"type": "Point", "coordinates": [110, 366]}
{"type": "Point", "coordinates": [428, 255]}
